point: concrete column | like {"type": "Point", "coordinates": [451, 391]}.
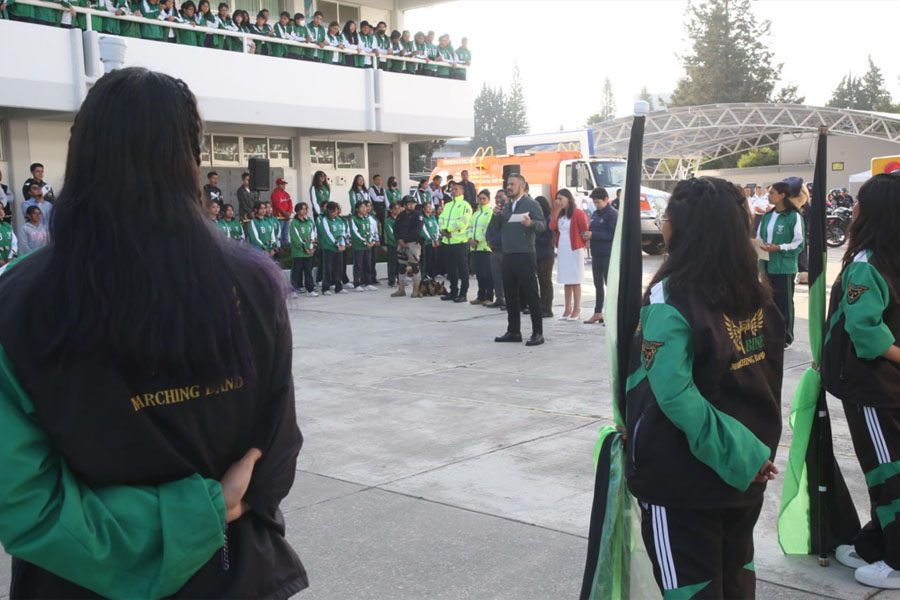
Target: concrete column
{"type": "Point", "coordinates": [19, 161]}
{"type": "Point", "coordinates": [303, 164]}
{"type": "Point", "coordinates": [401, 165]}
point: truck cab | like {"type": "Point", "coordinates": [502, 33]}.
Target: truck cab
{"type": "Point", "coordinates": [583, 175]}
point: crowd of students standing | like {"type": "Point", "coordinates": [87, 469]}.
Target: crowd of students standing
{"type": "Point", "coordinates": [368, 45]}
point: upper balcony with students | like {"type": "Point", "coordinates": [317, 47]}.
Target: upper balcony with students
{"type": "Point", "coordinates": [243, 69]}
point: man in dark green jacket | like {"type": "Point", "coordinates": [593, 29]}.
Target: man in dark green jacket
{"type": "Point", "coordinates": [518, 222]}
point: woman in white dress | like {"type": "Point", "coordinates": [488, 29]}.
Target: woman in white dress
{"type": "Point", "coordinates": [570, 223]}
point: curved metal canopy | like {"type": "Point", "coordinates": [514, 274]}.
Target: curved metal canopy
{"type": "Point", "coordinates": [701, 133]}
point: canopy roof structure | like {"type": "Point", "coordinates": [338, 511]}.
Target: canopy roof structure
{"type": "Point", "coordinates": [696, 134]}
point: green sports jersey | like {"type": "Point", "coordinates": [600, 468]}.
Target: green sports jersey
{"type": "Point", "coordinates": [316, 34]}
{"type": "Point", "coordinates": [303, 237]}
{"type": "Point", "coordinates": [389, 237]}
{"type": "Point", "coordinates": [331, 233]}
{"type": "Point", "coordinates": [360, 232]}
{"type": "Point", "coordinates": [261, 234]}
{"type": "Point", "coordinates": [233, 229]}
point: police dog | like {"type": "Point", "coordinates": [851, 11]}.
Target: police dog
{"type": "Point", "coordinates": [432, 287]}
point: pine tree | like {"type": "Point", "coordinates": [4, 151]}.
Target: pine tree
{"type": "Point", "coordinates": [646, 97]}
{"type": "Point", "coordinates": [873, 93]}
{"type": "Point", "coordinates": [489, 119]}
{"type": "Point", "coordinates": [607, 102]}
{"type": "Point", "coordinates": [789, 95]}
{"type": "Point", "coordinates": [515, 113]}
{"type": "Point", "coordinates": [848, 93]}
{"type": "Point", "coordinates": [727, 62]}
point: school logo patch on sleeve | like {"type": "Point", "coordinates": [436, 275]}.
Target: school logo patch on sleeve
{"type": "Point", "coordinates": [855, 292]}
{"type": "Point", "coordinates": [648, 352]}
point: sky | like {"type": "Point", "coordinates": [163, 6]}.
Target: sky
{"type": "Point", "coordinates": [564, 55]}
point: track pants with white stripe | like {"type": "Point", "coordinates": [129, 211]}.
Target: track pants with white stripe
{"type": "Point", "coordinates": [701, 553]}
{"type": "Point", "coordinates": [876, 439]}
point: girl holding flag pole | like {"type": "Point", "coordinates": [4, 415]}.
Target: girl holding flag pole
{"type": "Point", "coordinates": [704, 397]}
{"type": "Point", "coordinates": [861, 366]}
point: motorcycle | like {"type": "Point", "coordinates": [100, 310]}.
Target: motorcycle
{"type": "Point", "coordinates": [836, 225]}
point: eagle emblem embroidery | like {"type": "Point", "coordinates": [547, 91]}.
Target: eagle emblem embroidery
{"type": "Point", "coordinates": [648, 352]}
{"type": "Point", "coordinates": [854, 292]}
{"type": "Point", "coordinates": [736, 331]}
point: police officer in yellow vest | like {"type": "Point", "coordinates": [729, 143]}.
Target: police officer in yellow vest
{"type": "Point", "coordinates": [454, 223]}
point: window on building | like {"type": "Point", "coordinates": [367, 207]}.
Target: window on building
{"type": "Point", "coordinates": [351, 155]}
{"type": "Point", "coordinates": [322, 153]}
{"type": "Point", "coordinates": [280, 154]}
{"type": "Point", "coordinates": [255, 148]}
{"type": "Point", "coordinates": [338, 11]}
{"type": "Point", "coordinates": [205, 155]}
{"type": "Point", "coordinates": [226, 151]}
{"type": "Point", "coordinates": [254, 6]}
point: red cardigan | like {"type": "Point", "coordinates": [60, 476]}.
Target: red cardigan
{"type": "Point", "coordinates": [578, 224]}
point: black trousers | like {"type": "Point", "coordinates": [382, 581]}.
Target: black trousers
{"type": "Point", "coordinates": [545, 283]}
{"type": "Point", "coordinates": [301, 273]}
{"type": "Point", "coordinates": [333, 270]}
{"type": "Point", "coordinates": [441, 262]}
{"type": "Point", "coordinates": [600, 267]}
{"type": "Point", "coordinates": [429, 260]}
{"type": "Point", "coordinates": [458, 268]}
{"type": "Point", "coordinates": [363, 267]}
{"type": "Point", "coordinates": [520, 277]}
{"type": "Point", "coordinates": [705, 553]}
{"type": "Point", "coordinates": [783, 297]}
{"type": "Point", "coordinates": [392, 265]}
{"type": "Point", "coordinates": [875, 432]}
{"type": "Point", "coordinates": [482, 263]}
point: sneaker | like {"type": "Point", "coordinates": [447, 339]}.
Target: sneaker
{"type": "Point", "coordinates": [847, 556]}
{"type": "Point", "coordinates": [878, 575]}
{"type": "Point", "coordinates": [371, 288]}
{"type": "Point", "coordinates": [293, 295]}
{"type": "Point", "coordinates": [344, 291]}
{"type": "Point", "coordinates": [359, 289]}
{"type": "Point", "coordinates": [788, 345]}
{"type": "Point", "coordinates": [301, 291]}
{"type": "Point", "coordinates": [313, 294]}
{"type": "Point", "coordinates": [327, 293]}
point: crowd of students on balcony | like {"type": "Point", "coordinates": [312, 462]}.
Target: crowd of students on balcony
{"type": "Point", "coordinates": [370, 45]}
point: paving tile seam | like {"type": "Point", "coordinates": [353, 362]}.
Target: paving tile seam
{"type": "Point", "coordinates": [481, 512]}
{"type": "Point", "coordinates": [489, 452]}
{"type": "Point", "coordinates": [797, 589]}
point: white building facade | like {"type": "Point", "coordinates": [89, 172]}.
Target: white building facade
{"type": "Point", "coordinates": [302, 116]}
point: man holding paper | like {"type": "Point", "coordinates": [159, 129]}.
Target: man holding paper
{"type": "Point", "coordinates": [518, 221]}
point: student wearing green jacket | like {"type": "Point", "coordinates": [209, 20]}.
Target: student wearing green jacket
{"type": "Point", "coordinates": [782, 233]}
{"type": "Point", "coordinates": [275, 224]}
{"type": "Point", "coordinates": [463, 57]}
{"type": "Point", "coordinates": [332, 239]}
{"type": "Point", "coordinates": [183, 36]}
{"type": "Point", "coordinates": [362, 240]}
{"type": "Point", "coordinates": [395, 48]}
{"type": "Point", "coordinates": [231, 226]}
{"type": "Point", "coordinates": [19, 12]}
{"type": "Point", "coordinates": [431, 54]}
{"type": "Point", "coordinates": [9, 245]}
{"type": "Point", "coordinates": [283, 31]}
{"type": "Point", "coordinates": [79, 20]}
{"type": "Point", "coordinates": [316, 34]}
{"type": "Point", "coordinates": [150, 10]}
{"type": "Point", "coordinates": [351, 41]}
{"type": "Point", "coordinates": [46, 16]}
{"type": "Point", "coordinates": [418, 50]}
{"type": "Point", "coordinates": [358, 192]}
{"type": "Point", "coordinates": [382, 44]}
{"type": "Point", "coordinates": [481, 252]}
{"type": "Point", "coordinates": [393, 191]}
{"type": "Point", "coordinates": [262, 28]}
{"type": "Point", "coordinates": [333, 39]}
{"type": "Point", "coordinates": [703, 397]}
{"type": "Point", "coordinates": [454, 224]}
{"type": "Point", "coordinates": [130, 28]}
{"type": "Point", "coordinates": [299, 33]}
{"type": "Point", "coordinates": [112, 7]}
{"type": "Point", "coordinates": [304, 237]}
{"type": "Point", "coordinates": [431, 242]}
{"type": "Point", "coordinates": [238, 23]}
{"type": "Point", "coordinates": [445, 54]}
{"type": "Point", "coordinates": [390, 241]}
{"type": "Point", "coordinates": [260, 231]}
{"type": "Point", "coordinates": [861, 366]}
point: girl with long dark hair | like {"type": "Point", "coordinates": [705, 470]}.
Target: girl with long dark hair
{"type": "Point", "coordinates": [861, 366]}
{"type": "Point", "coordinates": [704, 397]}
{"type": "Point", "coordinates": [569, 222]}
{"type": "Point", "coordinates": [319, 193]}
{"type": "Point", "coordinates": [357, 192]}
{"type": "Point", "coordinates": [394, 195]}
{"type": "Point", "coordinates": [351, 42]}
{"type": "Point", "coordinates": [781, 233]}
{"type": "Point", "coordinates": [105, 351]}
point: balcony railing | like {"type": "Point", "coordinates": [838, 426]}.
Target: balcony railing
{"type": "Point", "coordinates": [245, 37]}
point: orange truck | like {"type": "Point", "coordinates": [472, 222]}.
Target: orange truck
{"type": "Point", "coordinates": [548, 172]}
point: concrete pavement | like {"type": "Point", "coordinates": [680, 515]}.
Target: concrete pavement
{"type": "Point", "coordinates": [439, 464]}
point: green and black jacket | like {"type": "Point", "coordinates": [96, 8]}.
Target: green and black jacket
{"type": "Point", "coordinates": [703, 402]}
{"type": "Point", "coordinates": [431, 231]}
{"type": "Point", "coordinates": [151, 11]}
{"type": "Point", "coordinates": [261, 234]}
{"type": "Point", "coordinates": [786, 230]}
{"type": "Point", "coordinates": [233, 229]}
{"type": "Point", "coordinates": [331, 233]}
{"type": "Point", "coordinates": [110, 479]}
{"type": "Point", "coordinates": [463, 55]}
{"type": "Point", "coordinates": [303, 237]}
{"type": "Point", "coordinates": [316, 34]}
{"type": "Point", "coordinates": [189, 37]}
{"type": "Point", "coordinates": [360, 232]}
{"type": "Point", "coordinates": [863, 322]}
{"type": "Point", "coordinates": [422, 196]}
